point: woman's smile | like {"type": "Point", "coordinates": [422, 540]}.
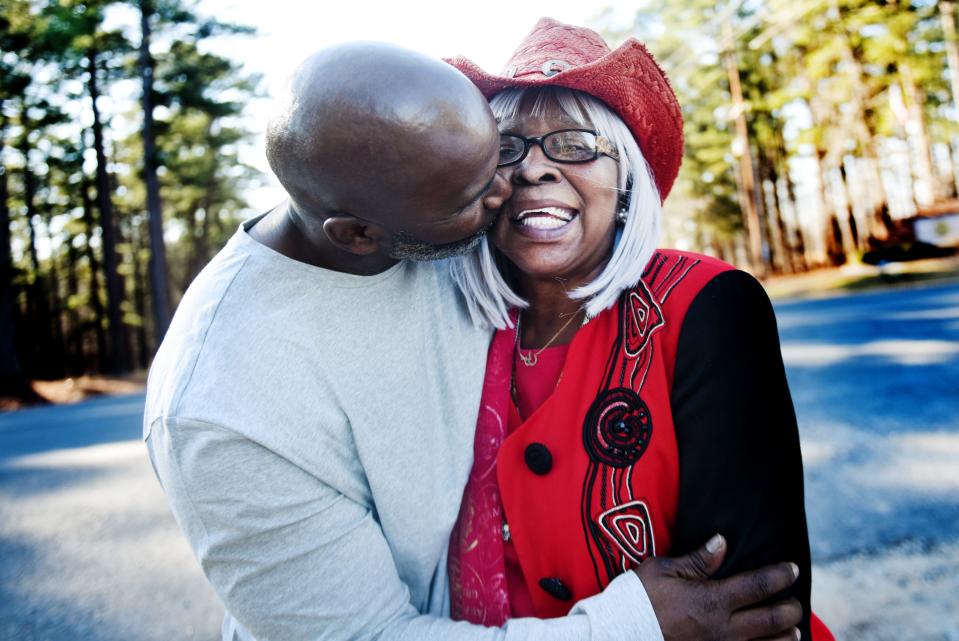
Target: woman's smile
{"type": "Point", "coordinates": [543, 221]}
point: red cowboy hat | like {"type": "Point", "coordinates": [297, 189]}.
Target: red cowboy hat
{"type": "Point", "coordinates": [627, 79]}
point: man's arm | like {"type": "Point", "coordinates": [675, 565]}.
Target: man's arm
{"type": "Point", "coordinates": [740, 464]}
{"type": "Point", "coordinates": [292, 559]}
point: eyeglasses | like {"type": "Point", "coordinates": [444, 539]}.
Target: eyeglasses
{"type": "Point", "coordinates": [564, 145]}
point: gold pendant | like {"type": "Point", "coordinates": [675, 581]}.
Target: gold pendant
{"type": "Point", "coordinates": [529, 360]}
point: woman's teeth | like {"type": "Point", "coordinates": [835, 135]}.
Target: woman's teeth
{"type": "Point", "coordinates": [545, 218]}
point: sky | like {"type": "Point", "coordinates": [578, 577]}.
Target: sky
{"type": "Point", "coordinates": [486, 32]}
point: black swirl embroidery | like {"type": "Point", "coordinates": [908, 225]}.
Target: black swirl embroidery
{"type": "Point", "coordinates": [618, 427]}
{"type": "Point", "coordinates": [642, 319]}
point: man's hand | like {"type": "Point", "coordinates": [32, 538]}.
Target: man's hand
{"type": "Point", "coordinates": [690, 608]}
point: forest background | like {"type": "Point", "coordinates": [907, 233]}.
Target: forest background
{"type": "Point", "coordinates": [812, 127]}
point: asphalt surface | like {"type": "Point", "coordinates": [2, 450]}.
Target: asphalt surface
{"type": "Point", "coordinates": [875, 382]}
{"type": "Point", "coordinates": [88, 549]}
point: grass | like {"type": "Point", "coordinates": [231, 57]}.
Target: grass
{"type": "Point", "coordinates": [861, 277]}
{"type": "Point", "coordinates": [74, 390]}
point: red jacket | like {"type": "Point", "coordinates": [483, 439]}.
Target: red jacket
{"type": "Point", "coordinates": [584, 505]}
{"type": "Point", "coordinates": [608, 498]}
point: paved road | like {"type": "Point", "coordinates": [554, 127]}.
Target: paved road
{"type": "Point", "coordinates": [89, 551]}
{"type": "Point", "coordinates": [875, 381]}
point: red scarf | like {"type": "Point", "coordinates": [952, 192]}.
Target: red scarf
{"type": "Point", "coordinates": [476, 567]}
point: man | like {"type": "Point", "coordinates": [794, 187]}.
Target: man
{"type": "Point", "coordinates": [310, 413]}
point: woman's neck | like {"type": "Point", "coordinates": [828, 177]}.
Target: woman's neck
{"type": "Point", "coordinates": [550, 308]}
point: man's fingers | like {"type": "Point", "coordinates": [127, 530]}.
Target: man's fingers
{"type": "Point", "coordinates": [768, 621]}
{"type": "Point", "coordinates": [703, 562]}
{"type": "Point", "coordinates": [749, 588]}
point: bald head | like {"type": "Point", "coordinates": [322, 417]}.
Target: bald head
{"type": "Point", "coordinates": [377, 131]}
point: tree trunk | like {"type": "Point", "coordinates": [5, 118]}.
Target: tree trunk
{"type": "Point", "coordinates": [864, 134]}
{"type": "Point", "coordinates": [12, 382]}
{"type": "Point", "coordinates": [800, 258]}
{"type": "Point", "coordinates": [54, 349]}
{"type": "Point", "coordinates": [77, 361]}
{"type": "Point", "coordinates": [769, 254]}
{"type": "Point", "coordinates": [855, 233]}
{"type": "Point", "coordinates": [99, 315]}
{"type": "Point", "coordinates": [203, 240]}
{"type": "Point", "coordinates": [193, 257]}
{"type": "Point", "coordinates": [119, 356]}
{"type": "Point", "coordinates": [201, 243]}
{"type": "Point", "coordinates": [954, 161]}
{"type": "Point", "coordinates": [948, 19]}
{"type": "Point", "coordinates": [776, 241]}
{"type": "Point", "coordinates": [57, 348]}
{"type": "Point", "coordinates": [745, 178]}
{"type": "Point", "coordinates": [781, 231]}
{"type": "Point", "coordinates": [785, 193]}
{"type": "Point", "coordinates": [928, 190]}
{"type": "Point", "coordinates": [847, 244]}
{"type": "Point", "coordinates": [140, 286]}
{"type": "Point", "coordinates": [835, 253]}
{"type": "Point", "coordinates": [35, 339]}
{"type": "Point", "coordinates": [158, 265]}
{"type": "Point", "coordinates": [801, 253]}
{"type": "Point", "coordinates": [29, 193]}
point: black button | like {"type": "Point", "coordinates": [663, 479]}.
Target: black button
{"type": "Point", "coordinates": [538, 458]}
{"type": "Point", "coordinates": [556, 588]}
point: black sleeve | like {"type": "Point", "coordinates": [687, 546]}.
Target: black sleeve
{"type": "Point", "coordinates": [740, 468]}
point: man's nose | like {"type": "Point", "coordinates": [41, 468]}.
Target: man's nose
{"type": "Point", "coordinates": [498, 193]}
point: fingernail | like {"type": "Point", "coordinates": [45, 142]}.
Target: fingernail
{"type": "Point", "coordinates": [797, 634]}
{"type": "Point", "coordinates": [714, 544]}
{"type": "Point", "coordinates": [795, 569]}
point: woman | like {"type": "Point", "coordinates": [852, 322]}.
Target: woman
{"type": "Point", "coordinates": [635, 400]}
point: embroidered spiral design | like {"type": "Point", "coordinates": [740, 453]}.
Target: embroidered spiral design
{"type": "Point", "coordinates": [618, 427]}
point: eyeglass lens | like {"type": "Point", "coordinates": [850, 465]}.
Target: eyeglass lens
{"type": "Point", "coordinates": [561, 146]}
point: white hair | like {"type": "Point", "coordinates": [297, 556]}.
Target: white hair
{"type": "Point", "coordinates": [479, 273]}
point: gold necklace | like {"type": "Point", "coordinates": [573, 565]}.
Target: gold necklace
{"type": "Point", "coordinates": [529, 360]}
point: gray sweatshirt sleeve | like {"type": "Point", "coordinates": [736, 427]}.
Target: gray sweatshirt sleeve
{"type": "Point", "coordinates": [294, 560]}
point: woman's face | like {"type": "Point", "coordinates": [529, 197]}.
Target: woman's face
{"type": "Point", "coordinates": [560, 220]}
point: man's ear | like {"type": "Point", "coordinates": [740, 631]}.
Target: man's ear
{"type": "Point", "coordinates": [354, 235]}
